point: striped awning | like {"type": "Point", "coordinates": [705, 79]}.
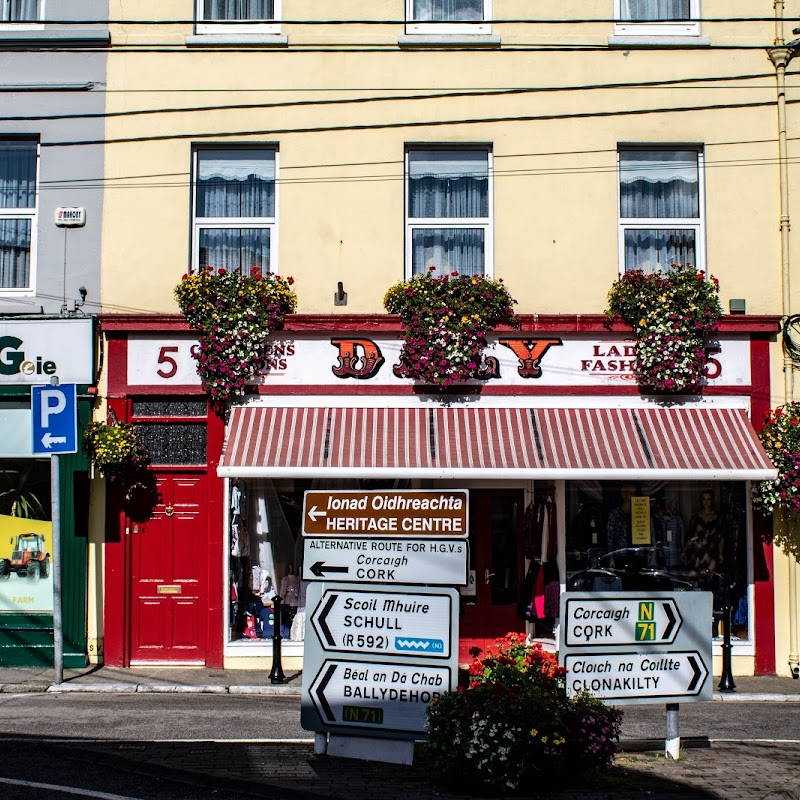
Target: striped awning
{"type": "Point", "coordinates": [481, 442]}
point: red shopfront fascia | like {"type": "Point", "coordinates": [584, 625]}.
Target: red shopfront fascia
{"type": "Point", "coordinates": [138, 347]}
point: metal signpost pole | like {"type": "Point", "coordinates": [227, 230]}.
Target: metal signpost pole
{"type": "Point", "coordinates": [58, 625]}
{"type": "Point", "coordinates": [672, 746]}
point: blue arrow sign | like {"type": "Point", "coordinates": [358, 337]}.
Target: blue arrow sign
{"type": "Point", "coordinates": [54, 413]}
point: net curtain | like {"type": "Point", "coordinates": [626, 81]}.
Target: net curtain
{"type": "Point", "coordinates": [19, 10]}
{"type": "Point", "coordinates": [448, 10]}
{"type": "Point", "coordinates": [17, 190]}
{"type": "Point", "coordinates": [238, 9]}
{"type": "Point", "coordinates": [231, 184]}
{"type": "Point", "coordinates": [448, 186]}
{"type": "Point", "coordinates": [654, 10]}
{"type": "Point", "coordinates": [659, 185]}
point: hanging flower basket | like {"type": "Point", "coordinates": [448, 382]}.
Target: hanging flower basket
{"type": "Point", "coordinates": [446, 320]}
{"type": "Point", "coordinates": [116, 450]}
{"type": "Point", "coordinates": [233, 315]}
{"type": "Point", "coordinates": [781, 439]}
{"type": "Point", "coordinates": [672, 315]}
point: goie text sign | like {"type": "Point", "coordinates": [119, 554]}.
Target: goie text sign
{"type": "Point", "coordinates": [389, 513]}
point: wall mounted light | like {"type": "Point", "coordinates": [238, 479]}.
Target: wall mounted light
{"type": "Point", "coordinates": [340, 296]}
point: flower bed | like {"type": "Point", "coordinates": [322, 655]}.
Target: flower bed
{"type": "Point", "coordinates": [446, 320]}
{"type": "Point", "coordinates": [513, 720]}
{"type": "Point", "coordinates": [672, 313]}
{"type": "Point", "coordinates": [233, 315]}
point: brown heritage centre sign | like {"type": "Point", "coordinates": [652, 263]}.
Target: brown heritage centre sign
{"type": "Point", "coordinates": [391, 512]}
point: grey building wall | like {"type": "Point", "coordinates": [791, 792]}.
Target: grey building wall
{"type": "Point", "coordinates": [52, 83]}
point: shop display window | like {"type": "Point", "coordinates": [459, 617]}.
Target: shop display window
{"type": "Point", "coordinates": [661, 536]}
{"type": "Point", "coordinates": [265, 551]}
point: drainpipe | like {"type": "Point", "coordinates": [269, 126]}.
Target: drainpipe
{"type": "Point", "coordinates": [780, 55]}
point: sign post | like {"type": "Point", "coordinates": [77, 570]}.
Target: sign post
{"type": "Point", "coordinates": [54, 416]}
{"type": "Point", "coordinates": [628, 648]}
{"type": "Point", "coordinates": [382, 644]}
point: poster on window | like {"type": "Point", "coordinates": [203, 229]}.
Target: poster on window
{"type": "Point", "coordinates": [26, 575]}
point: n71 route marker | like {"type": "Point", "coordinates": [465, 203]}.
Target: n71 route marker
{"type": "Point", "coordinates": [392, 512]}
{"type": "Point", "coordinates": [654, 675]}
{"type": "Point", "coordinates": [386, 623]}
{"type": "Point", "coordinates": [624, 621]}
{"type": "Point", "coordinates": [435, 562]}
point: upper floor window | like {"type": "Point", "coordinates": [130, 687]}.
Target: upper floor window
{"type": "Point", "coordinates": [657, 17]}
{"type": "Point", "coordinates": [238, 16]}
{"type": "Point", "coordinates": [234, 209]}
{"type": "Point", "coordinates": [449, 211]}
{"type": "Point", "coordinates": [660, 208]}
{"type": "Point", "coordinates": [19, 11]}
{"type": "Point", "coordinates": [17, 213]}
{"type": "Point", "coordinates": [448, 16]}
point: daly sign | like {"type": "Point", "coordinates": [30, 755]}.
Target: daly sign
{"type": "Point", "coordinates": [632, 647]}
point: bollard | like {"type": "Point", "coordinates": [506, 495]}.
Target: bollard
{"type": "Point", "coordinates": [276, 674]}
{"type": "Point", "coordinates": [726, 683]}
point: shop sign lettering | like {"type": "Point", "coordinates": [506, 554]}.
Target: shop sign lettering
{"type": "Point", "coordinates": [307, 359]}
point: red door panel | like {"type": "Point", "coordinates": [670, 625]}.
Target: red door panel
{"type": "Point", "coordinates": [497, 560]}
{"type": "Point", "coordinates": [169, 575]}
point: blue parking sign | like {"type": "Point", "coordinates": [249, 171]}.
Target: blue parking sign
{"type": "Point", "coordinates": [54, 412]}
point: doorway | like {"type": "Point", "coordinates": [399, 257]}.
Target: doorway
{"type": "Point", "coordinates": [497, 564]}
{"type": "Point", "coordinates": [169, 575]}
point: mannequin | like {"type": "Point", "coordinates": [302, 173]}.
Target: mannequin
{"type": "Point", "coordinates": [704, 551]}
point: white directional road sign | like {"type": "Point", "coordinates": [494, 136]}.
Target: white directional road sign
{"type": "Point", "coordinates": [655, 675]}
{"type": "Point", "coordinates": [54, 414]}
{"type": "Point", "coordinates": [428, 561]}
{"type": "Point", "coordinates": [638, 647]}
{"type": "Point", "coordinates": [374, 696]}
{"type": "Point", "coordinates": [628, 620]}
{"type": "Point", "coordinates": [388, 623]}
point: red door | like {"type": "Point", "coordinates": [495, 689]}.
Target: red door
{"type": "Point", "coordinates": [169, 576]}
{"type": "Point", "coordinates": [497, 561]}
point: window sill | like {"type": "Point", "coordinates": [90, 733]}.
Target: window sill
{"type": "Point", "coordinates": [455, 40]}
{"type": "Point", "coordinates": [237, 39]}
{"type": "Point", "coordinates": [659, 41]}
{"type": "Point", "coordinates": [68, 37]}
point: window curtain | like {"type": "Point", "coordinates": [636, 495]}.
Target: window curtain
{"type": "Point", "coordinates": [19, 10]}
{"type": "Point", "coordinates": [653, 250]}
{"type": "Point", "coordinates": [17, 175]}
{"type": "Point", "coordinates": [15, 253]}
{"type": "Point", "coordinates": [448, 185]}
{"type": "Point", "coordinates": [236, 183]}
{"type": "Point", "coordinates": [234, 249]}
{"type": "Point", "coordinates": [238, 9]}
{"type": "Point", "coordinates": [659, 184]}
{"type": "Point", "coordinates": [448, 10]}
{"type": "Point", "coordinates": [654, 10]}
{"type": "Point", "coordinates": [448, 250]}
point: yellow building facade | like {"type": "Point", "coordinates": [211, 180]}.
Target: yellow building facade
{"type": "Point", "coordinates": [552, 112]}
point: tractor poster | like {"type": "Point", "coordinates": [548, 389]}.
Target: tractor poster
{"type": "Point", "coordinates": [26, 575]}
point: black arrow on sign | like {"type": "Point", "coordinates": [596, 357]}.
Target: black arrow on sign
{"type": "Point", "coordinates": [697, 673]}
{"type": "Point", "coordinates": [321, 620]}
{"type": "Point", "coordinates": [326, 707]}
{"type": "Point", "coordinates": [672, 620]}
{"type": "Point", "coordinates": [320, 570]}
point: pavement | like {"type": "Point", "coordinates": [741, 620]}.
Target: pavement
{"type": "Point", "coordinates": [708, 769]}
{"type": "Point", "coordinates": [760, 688]}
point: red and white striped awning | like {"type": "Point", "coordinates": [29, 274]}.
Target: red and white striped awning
{"type": "Point", "coordinates": [481, 442]}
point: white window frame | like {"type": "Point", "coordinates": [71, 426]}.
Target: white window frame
{"type": "Point", "coordinates": [697, 224]}
{"type": "Point", "coordinates": [31, 214]}
{"type": "Point", "coordinates": [449, 28]}
{"type": "Point", "coordinates": [257, 27]}
{"type": "Point", "coordinates": [690, 27]}
{"type": "Point", "coordinates": [26, 25]}
{"type": "Point", "coordinates": [451, 223]}
{"type": "Point", "coordinates": [204, 223]}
